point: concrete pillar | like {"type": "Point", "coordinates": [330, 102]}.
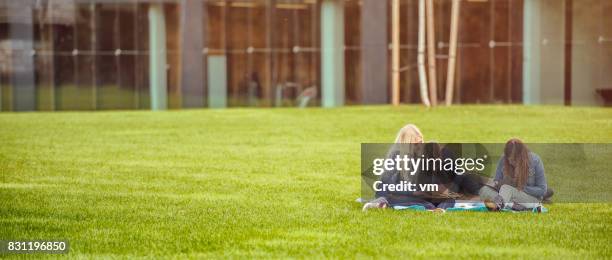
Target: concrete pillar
{"type": "Point", "coordinates": [544, 61]}
{"type": "Point", "coordinates": [531, 50]}
{"type": "Point", "coordinates": [21, 33]}
{"type": "Point", "coordinates": [217, 81]}
{"type": "Point", "coordinates": [332, 53]}
{"type": "Point", "coordinates": [374, 52]}
{"type": "Point", "coordinates": [157, 58]}
{"type": "Point", "coordinates": [192, 61]}
{"type": "Point", "coordinates": [590, 63]}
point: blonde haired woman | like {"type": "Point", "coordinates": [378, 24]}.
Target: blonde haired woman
{"type": "Point", "coordinates": [408, 141]}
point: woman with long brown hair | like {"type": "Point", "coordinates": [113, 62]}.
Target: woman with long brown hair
{"type": "Point", "coordinates": [519, 179]}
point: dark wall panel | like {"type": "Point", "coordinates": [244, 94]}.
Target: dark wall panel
{"type": "Point", "coordinates": [192, 62]}
{"type": "Point", "coordinates": [22, 36]}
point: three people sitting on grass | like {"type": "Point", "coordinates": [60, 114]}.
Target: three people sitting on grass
{"type": "Point", "coordinates": [519, 181]}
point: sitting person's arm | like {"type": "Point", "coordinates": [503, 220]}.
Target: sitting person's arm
{"type": "Point", "coordinates": [538, 189]}
{"type": "Point", "coordinates": [499, 172]}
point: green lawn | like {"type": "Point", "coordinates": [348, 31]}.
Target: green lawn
{"type": "Point", "coordinates": [269, 183]}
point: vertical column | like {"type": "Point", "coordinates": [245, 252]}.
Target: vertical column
{"type": "Point", "coordinates": [157, 58]}
{"type": "Point", "coordinates": [269, 88]}
{"type": "Point", "coordinates": [332, 53]}
{"type": "Point", "coordinates": [21, 31]}
{"type": "Point", "coordinates": [545, 55]}
{"type": "Point", "coordinates": [585, 69]}
{"type": "Point", "coordinates": [217, 81]}
{"type": "Point", "coordinates": [374, 52]}
{"type": "Point", "coordinates": [532, 43]}
{"type": "Point", "coordinates": [395, 36]}
{"type": "Point", "coordinates": [192, 62]}
{"type": "Point", "coordinates": [568, 50]}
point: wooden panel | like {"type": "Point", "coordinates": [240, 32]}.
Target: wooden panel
{"type": "Point", "coordinates": [516, 64]}
{"type": "Point", "coordinates": [352, 54]}
{"type": "Point", "coordinates": [474, 54]}
{"type": "Point", "coordinates": [491, 75]}
{"type": "Point", "coordinates": [409, 81]}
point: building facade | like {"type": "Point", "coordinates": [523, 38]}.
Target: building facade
{"type": "Point", "coordinates": [168, 54]}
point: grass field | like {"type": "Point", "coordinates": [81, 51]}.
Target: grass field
{"type": "Point", "coordinates": [269, 183]}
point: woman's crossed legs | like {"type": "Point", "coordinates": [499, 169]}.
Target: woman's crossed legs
{"type": "Point", "coordinates": [509, 195]}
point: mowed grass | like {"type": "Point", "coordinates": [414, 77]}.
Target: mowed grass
{"type": "Point", "coordinates": [270, 183]}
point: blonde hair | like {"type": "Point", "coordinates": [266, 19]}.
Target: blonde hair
{"type": "Point", "coordinates": [409, 134]}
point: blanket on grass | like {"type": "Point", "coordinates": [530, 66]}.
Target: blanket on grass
{"type": "Point", "coordinates": [472, 206]}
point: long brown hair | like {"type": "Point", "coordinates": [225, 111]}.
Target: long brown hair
{"type": "Point", "coordinates": [516, 162]}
